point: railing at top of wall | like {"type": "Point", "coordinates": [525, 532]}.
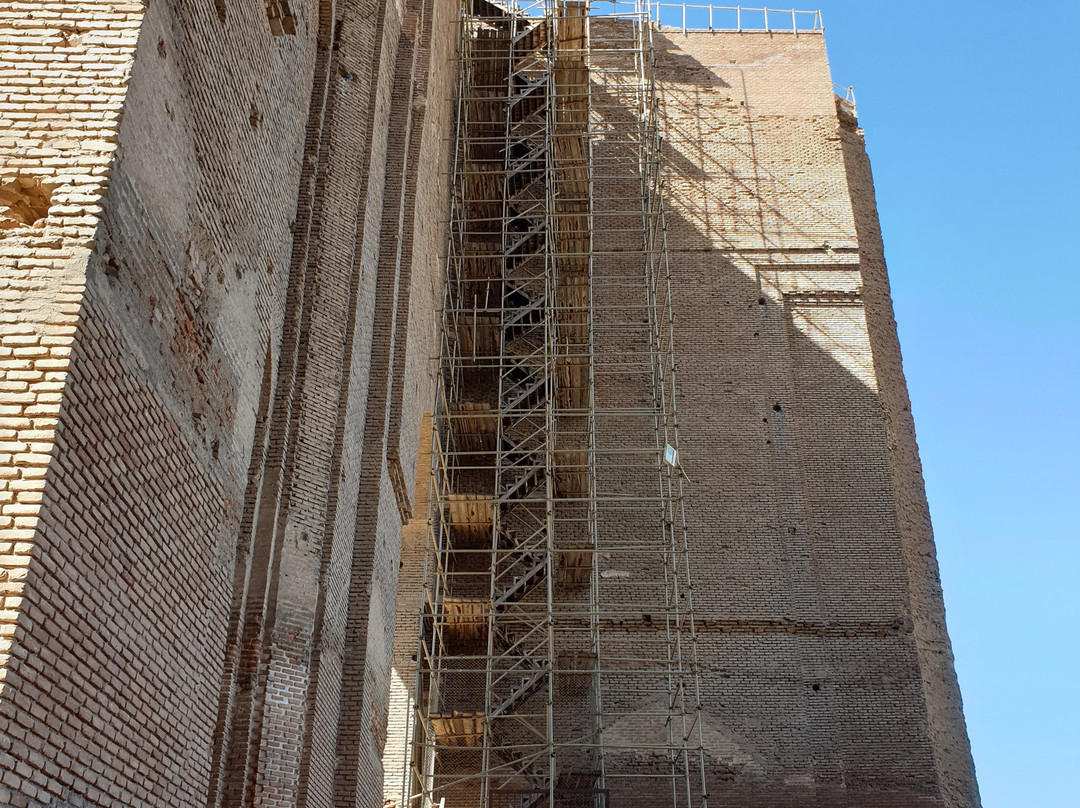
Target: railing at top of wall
{"type": "Point", "coordinates": [688, 16]}
{"type": "Point", "coordinates": [847, 95]}
{"type": "Point", "coordinates": [692, 17]}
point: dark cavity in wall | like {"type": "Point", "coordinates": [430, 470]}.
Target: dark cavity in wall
{"type": "Point", "coordinates": [25, 201]}
{"type": "Point", "coordinates": [281, 17]}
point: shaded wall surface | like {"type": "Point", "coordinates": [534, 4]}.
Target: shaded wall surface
{"type": "Point", "coordinates": [827, 672]}
{"type": "Point", "coordinates": [219, 250]}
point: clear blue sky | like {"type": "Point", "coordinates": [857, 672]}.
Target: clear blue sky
{"type": "Point", "coordinates": [972, 124]}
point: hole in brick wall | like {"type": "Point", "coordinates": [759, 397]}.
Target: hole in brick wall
{"type": "Point", "coordinates": [110, 267]}
{"type": "Point", "coordinates": [761, 301]}
{"type": "Point", "coordinates": [71, 36]}
{"type": "Point", "coordinates": [254, 115]}
{"type": "Point", "coordinates": [776, 407]}
{"type": "Point", "coordinates": [282, 22]}
{"type": "Point", "coordinates": [815, 687]}
{"type": "Point", "coordinates": [25, 202]}
{"type": "Point", "coordinates": [161, 48]}
{"type": "Point", "coordinates": [222, 11]}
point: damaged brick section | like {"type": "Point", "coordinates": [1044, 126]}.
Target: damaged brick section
{"type": "Point", "coordinates": [281, 18]}
{"type": "Point", "coordinates": [26, 201]}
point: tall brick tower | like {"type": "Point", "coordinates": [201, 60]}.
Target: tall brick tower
{"type": "Point", "coordinates": [477, 403]}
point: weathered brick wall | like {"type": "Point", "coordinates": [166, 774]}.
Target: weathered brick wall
{"type": "Point", "coordinates": [825, 664]}
{"type": "Point", "coordinates": [121, 639]}
{"type": "Point", "coordinates": [310, 694]}
{"type": "Point", "coordinates": [821, 621]}
{"type": "Point", "coordinates": [409, 603]}
{"type": "Point", "coordinates": [57, 138]}
{"type": "Point", "coordinates": [56, 144]}
{"type": "Point", "coordinates": [189, 617]}
{"type": "Point", "coordinates": [213, 382]}
{"type": "Point", "coordinates": [424, 211]}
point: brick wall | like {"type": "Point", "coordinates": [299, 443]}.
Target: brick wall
{"type": "Point", "coordinates": [55, 152]}
{"type": "Point", "coordinates": [57, 138]}
{"type": "Point", "coordinates": [212, 379]}
{"type": "Point", "coordinates": [821, 623]}
{"type": "Point", "coordinates": [952, 755]}
{"type": "Point", "coordinates": [409, 604]}
{"type": "Point", "coordinates": [121, 640]}
{"type": "Point", "coordinates": [186, 620]}
{"type": "Point", "coordinates": [826, 670]}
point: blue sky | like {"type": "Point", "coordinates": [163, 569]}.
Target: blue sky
{"type": "Point", "coordinates": [971, 119]}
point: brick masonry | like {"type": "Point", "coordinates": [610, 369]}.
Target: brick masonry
{"type": "Point", "coordinates": [826, 669]}
{"type": "Point", "coordinates": [64, 72]}
{"type": "Point", "coordinates": [221, 230]}
{"type": "Point", "coordinates": [203, 204]}
{"type": "Point", "coordinates": [828, 673]}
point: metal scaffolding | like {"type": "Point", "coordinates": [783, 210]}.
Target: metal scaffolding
{"type": "Point", "coordinates": [557, 655]}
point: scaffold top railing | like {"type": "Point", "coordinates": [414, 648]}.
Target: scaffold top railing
{"type": "Point", "coordinates": [846, 94]}
{"type": "Point", "coordinates": [691, 17]}
{"type": "Point", "coordinates": [707, 17]}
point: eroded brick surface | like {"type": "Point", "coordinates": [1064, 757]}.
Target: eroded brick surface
{"type": "Point", "coordinates": [187, 357]}
{"type": "Point", "coordinates": [826, 669]}
{"type": "Point", "coordinates": [221, 230]}
{"type": "Point", "coordinates": [57, 138]}
{"type": "Point", "coordinates": [827, 675]}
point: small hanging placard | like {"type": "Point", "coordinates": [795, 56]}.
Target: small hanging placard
{"type": "Point", "coordinates": [671, 456]}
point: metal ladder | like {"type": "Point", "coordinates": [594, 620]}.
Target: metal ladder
{"type": "Point", "coordinates": [518, 734]}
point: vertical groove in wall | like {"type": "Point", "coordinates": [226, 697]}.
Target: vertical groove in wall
{"type": "Point", "coordinates": [318, 755]}
{"type": "Point", "coordinates": [417, 95]}
{"type": "Point", "coordinates": [347, 186]}
{"type": "Point", "coordinates": [236, 757]}
{"type": "Point", "coordinates": [427, 211]}
{"type": "Point", "coordinates": [354, 779]}
{"type": "Point", "coordinates": [245, 558]}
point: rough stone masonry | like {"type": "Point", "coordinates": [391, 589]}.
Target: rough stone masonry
{"type": "Point", "coordinates": [222, 236]}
